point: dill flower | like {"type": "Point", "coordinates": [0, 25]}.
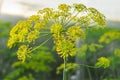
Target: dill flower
{"type": "Point", "coordinates": [11, 42]}
{"type": "Point", "coordinates": [84, 20]}
{"type": "Point", "coordinates": [65, 48]}
{"type": "Point", "coordinates": [103, 62]}
{"type": "Point", "coordinates": [75, 32]}
{"type": "Point", "coordinates": [117, 52]}
{"type": "Point", "coordinates": [64, 7]}
{"type": "Point", "coordinates": [39, 26]}
{"type": "Point", "coordinates": [22, 52]}
{"type": "Point", "coordinates": [63, 23]}
{"type": "Point", "coordinates": [32, 36]}
{"type": "Point", "coordinates": [79, 7]}
{"type": "Point", "coordinates": [56, 29]}
{"type": "Point", "coordinates": [45, 10]}
{"type": "Point", "coordinates": [97, 16]}
{"type": "Point", "coordinates": [34, 18]}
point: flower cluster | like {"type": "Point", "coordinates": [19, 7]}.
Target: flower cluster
{"type": "Point", "coordinates": [79, 7]}
{"type": "Point", "coordinates": [25, 32]}
{"type": "Point", "coordinates": [18, 33]}
{"type": "Point", "coordinates": [64, 7]}
{"type": "Point", "coordinates": [56, 30]}
{"type": "Point", "coordinates": [64, 39]}
{"type": "Point", "coordinates": [63, 23]}
{"type": "Point", "coordinates": [103, 62]}
{"type": "Point", "coordinates": [84, 20]}
{"type": "Point", "coordinates": [117, 52]}
{"type": "Point", "coordinates": [69, 67]}
{"type": "Point", "coordinates": [97, 16]}
{"type": "Point", "coordinates": [22, 52]}
{"type": "Point", "coordinates": [75, 32]}
{"type": "Point", "coordinates": [32, 36]}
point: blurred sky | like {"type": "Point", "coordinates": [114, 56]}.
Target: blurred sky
{"type": "Point", "coordinates": [110, 8]}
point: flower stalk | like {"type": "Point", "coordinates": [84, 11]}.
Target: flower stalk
{"type": "Point", "coordinates": [65, 70]}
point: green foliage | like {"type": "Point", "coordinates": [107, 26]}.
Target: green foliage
{"type": "Point", "coordinates": [93, 47]}
{"type": "Point", "coordinates": [111, 79]}
{"type": "Point", "coordinates": [107, 54]}
{"type": "Point", "coordinates": [27, 78]}
{"type": "Point", "coordinates": [110, 36]}
{"type": "Point", "coordinates": [69, 67]}
{"type": "Point", "coordinates": [14, 74]}
{"type": "Point", "coordinates": [5, 56]}
{"type": "Point", "coordinates": [82, 51]}
{"type": "Point", "coordinates": [40, 61]}
{"type": "Point", "coordinates": [4, 28]}
{"type": "Point", "coordinates": [117, 52]}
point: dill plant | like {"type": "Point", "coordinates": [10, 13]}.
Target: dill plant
{"type": "Point", "coordinates": [64, 25]}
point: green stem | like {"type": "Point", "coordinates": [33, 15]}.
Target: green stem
{"type": "Point", "coordinates": [64, 70]}
{"type": "Point", "coordinates": [89, 74]}
{"type": "Point", "coordinates": [87, 65]}
{"type": "Point", "coordinates": [71, 19]}
{"type": "Point", "coordinates": [45, 32]}
{"type": "Point", "coordinates": [44, 35]}
{"type": "Point", "coordinates": [40, 45]}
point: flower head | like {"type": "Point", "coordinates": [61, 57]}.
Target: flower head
{"type": "Point", "coordinates": [97, 16]}
{"type": "Point", "coordinates": [75, 32]}
{"type": "Point", "coordinates": [103, 62]}
{"type": "Point", "coordinates": [22, 52]}
{"type": "Point", "coordinates": [79, 7]}
{"type": "Point", "coordinates": [64, 7]}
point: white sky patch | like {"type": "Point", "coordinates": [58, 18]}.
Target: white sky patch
{"type": "Point", "coordinates": [11, 7]}
{"type": "Point", "coordinates": [110, 8]}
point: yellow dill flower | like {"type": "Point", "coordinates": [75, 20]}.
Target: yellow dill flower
{"type": "Point", "coordinates": [16, 28]}
{"type": "Point", "coordinates": [20, 30]}
{"type": "Point", "coordinates": [84, 20]}
{"type": "Point", "coordinates": [22, 52]}
{"type": "Point", "coordinates": [34, 18]}
{"type": "Point", "coordinates": [65, 48]}
{"type": "Point", "coordinates": [64, 7]}
{"type": "Point", "coordinates": [103, 62]}
{"type": "Point", "coordinates": [39, 26]}
{"type": "Point", "coordinates": [22, 34]}
{"type": "Point", "coordinates": [45, 13]}
{"type": "Point", "coordinates": [32, 36]}
{"type": "Point", "coordinates": [97, 16]}
{"type": "Point", "coordinates": [117, 52]}
{"type": "Point", "coordinates": [56, 15]}
{"type": "Point", "coordinates": [56, 29]}
{"type": "Point", "coordinates": [75, 32]}
{"type": "Point", "coordinates": [52, 21]}
{"type": "Point", "coordinates": [10, 42]}
{"type": "Point", "coordinates": [45, 10]}
{"type": "Point", "coordinates": [79, 7]}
